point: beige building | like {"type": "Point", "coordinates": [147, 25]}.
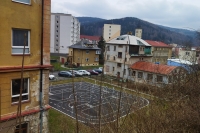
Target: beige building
{"type": "Point", "coordinates": [188, 55]}
{"type": "Point", "coordinates": [84, 53]}
{"type": "Point", "coordinates": [160, 51]}
{"type": "Point", "coordinates": [111, 31]}
{"type": "Point", "coordinates": [138, 33]}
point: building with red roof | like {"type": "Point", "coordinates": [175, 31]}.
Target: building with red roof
{"type": "Point", "coordinates": [160, 51]}
{"type": "Point", "coordinates": [148, 72]}
{"type": "Point", "coordinates": [92, 38]}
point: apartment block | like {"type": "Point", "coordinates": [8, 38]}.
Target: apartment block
{"type": "Point", "coordinates": [65, 31]}
{"type": "Point", "coordinates": [111, 31]}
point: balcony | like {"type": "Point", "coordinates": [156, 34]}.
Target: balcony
{"type": "Point", "coordinates": [140, 51]}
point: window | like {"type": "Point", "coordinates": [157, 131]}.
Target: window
{"type": "Point", "coordinates": [87, 51]}
{"type": "Point", "coordinates": [110, 26]}
{"type": "Point", "coordinates": [108, 56]}
{"type": "Point", "coordinates": [113, 68]}
{"type": "Point", "coordinates": [96, 59]}
{"type": "Point", "coordinates": [113, 57]}
{"type": "Point", "coordinates": [78, 58]}
{"type": "Point", "coordinates": [140, 74]}
{"type": "Point", "coordinates": [23, 1]}
{"type": "Point", "coordinates": [24, 128]}
{"type": "Point", "coordinates": [120, 46]}
{"type": "Point", "coordinates": [119, 54]}
{"type": "Point", "coordinates": [114, 48]}
{"type": "Point", "coordinates": [149, 77]}
{"type": "Point", "coordinates": [20, 37]}
{"type": "Point", "coordinates": [98, 52]}
{"type": "Point", "coordinates": [187, 53]}
{"type": "Point", "coordinates": [16, 89]}
{"type": "Point", "coordinates": [87, 59]}
{"type": "Point", "coordinates": [133, 73]}
{"type": "Point", "coordinates": [56, 49]}
{"type": "Point", "coordinates": [159, 78]}
{"type": "Point", "coordinates": [119, 64]}
{"type": "Point", "coordinates": [108, 48]}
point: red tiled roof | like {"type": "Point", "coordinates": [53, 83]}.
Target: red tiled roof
{"type": "Point", "coordinates": [157, 44]}
{"type": "Point", "coordinates": [153, 68]}
{"type": "Point", "coordinates": [93, 38]}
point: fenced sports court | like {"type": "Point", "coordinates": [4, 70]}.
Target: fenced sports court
{"type": "Point", "coordinates": [62, 98]}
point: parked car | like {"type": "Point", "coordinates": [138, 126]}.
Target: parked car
{"type": "Point", "coordinates": [51, 77]}
{"type": "Point", "coordinates": [76, 73]}
{"type": "Point", "coordinates": [84, 72]}
{"type": "Point", "coordinates": [92, 72]}
{"type": "Point", "coordinates": [98, 70]}
{"type": "Point", "coordinates": [65, 74]}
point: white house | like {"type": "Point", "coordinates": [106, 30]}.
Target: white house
{"type": "Point", "coordinates": [122, 51]}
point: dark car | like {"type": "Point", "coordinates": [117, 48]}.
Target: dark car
{"type": "Point", "coordinates": [64, 74]}
{"type": "Point", "coordinates": [98, 70]}
{"type": "Point", "coordinates": [92, 72]}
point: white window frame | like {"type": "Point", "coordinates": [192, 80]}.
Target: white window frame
{"type": "Point", "coordinates": [19, 1]}
{"type": "Point", "coordinates": [20, 47]}
{"type": "Point", "coordinates": [23, 94]}
{"type": "Point", "coordinates": [98, 52]}
{"type": "Point", "coordinates": [86, 59]}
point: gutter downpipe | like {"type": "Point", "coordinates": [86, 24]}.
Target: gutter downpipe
{"type": "Point", "coordinates": [41, 72]}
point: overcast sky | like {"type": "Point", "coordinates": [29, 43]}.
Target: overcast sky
{"type": "Point", "coordinates": [183, 14]}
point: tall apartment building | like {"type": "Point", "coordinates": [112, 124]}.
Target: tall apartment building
{"type": "Point", "coordinates": [65, 31]}
{"type": "Point", "coordinates": [111, 31]}
{"type": "Point", "coordinates": [125, 49]}
{"type": "Point", "coordinates": [25, 26]}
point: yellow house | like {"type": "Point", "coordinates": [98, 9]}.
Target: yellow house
{"type": "Point", "coordinates": [25, 32]}
{"type": "Point", "coordinates": [84, 53]}
{"type": "Point", "coordinates": [160, 51]}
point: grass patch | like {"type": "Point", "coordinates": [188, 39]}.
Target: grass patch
{"type": "Point", "coordinates": [61, 123]}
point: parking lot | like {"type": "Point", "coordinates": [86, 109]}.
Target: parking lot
{"type": "Point", "coordinates": [55, 73]}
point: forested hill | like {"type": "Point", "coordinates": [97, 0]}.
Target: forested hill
{"type": "Point", "coordinates": [94, 26]}
{"type": "Point", "coordinates": [84, 20]}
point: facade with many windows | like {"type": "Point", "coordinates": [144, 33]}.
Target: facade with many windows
{"type": "Point", "coordinates": [84, 53]}
{"type": "Point", "coordinates": [160, 52]}
{"type": "Point", "coordinates": [122, 51]}
{"type": "Point", "coordinates": [111, 31]}
{"type": "Point", "coordinates": [65, 31]}
{"type": "Point", "coordinates": [24, 65]}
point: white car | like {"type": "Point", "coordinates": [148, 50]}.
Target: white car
{"type": "Point", "coordinates": [84, 72]}
{"type": "Point", "coordinates": [77, 73]}
{"type": "Point", "coordinates": [51, 77]}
